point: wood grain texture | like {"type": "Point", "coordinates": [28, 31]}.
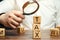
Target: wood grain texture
{"type": "Point", "coordinates": [12, 35]}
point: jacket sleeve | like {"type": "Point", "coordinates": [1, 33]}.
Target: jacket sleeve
{"type": "Point", "coordinates": [6, 5]}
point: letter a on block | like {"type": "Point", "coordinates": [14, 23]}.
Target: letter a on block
{"type": "Point", "coordinates": [36, 26]}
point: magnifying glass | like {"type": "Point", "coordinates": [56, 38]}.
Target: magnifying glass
{"type": "Point", "coordinates": [29, 9]}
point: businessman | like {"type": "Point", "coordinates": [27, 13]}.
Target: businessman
{"type": "Point", "coordinates": [49, 11]}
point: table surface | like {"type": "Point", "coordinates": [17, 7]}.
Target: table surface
{"type": "Point", "coordinates": [12, 35]}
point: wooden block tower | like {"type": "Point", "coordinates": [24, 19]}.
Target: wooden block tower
{"type": "Point", "coordinates": [36, 27]}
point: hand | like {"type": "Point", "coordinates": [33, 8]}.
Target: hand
{"type": "Point", "coordinates": [12, 18]}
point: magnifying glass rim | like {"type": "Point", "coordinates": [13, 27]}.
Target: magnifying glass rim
{"type": "Point", "coordinates": [26, 4]}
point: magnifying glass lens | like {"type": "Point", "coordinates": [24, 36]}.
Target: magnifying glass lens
{"type": "Point", "coordinates": [30, 8]}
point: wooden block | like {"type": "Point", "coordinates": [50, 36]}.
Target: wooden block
{"type": "Point", "coordinates": [2, 32]}
{"type": "Point", "coordinates": [36, 26]}
{"type": "Point", "coordinates": [36, 19]}
{"type": "Point", "coordinates": [36, 34]}
{"type": "Point", "coordinates": [36, 30]}
{"type": "Point", "coordinates": [54, 32]}
{"type": "Point", "coordinates": [21, 30]}
{"type": "Point", "coordinates": [58, 27]}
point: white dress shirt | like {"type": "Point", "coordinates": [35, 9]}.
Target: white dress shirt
{"type": "Point", "coordinates": [49, 11]}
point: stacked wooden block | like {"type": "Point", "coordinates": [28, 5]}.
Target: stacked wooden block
{"type": "Point", "coordinates": [36, 27]}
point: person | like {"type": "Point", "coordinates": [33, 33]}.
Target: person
{"type": "Point", "coordinates": [12, 18]}
{"type": "Point", "coordinates": [49, 11]}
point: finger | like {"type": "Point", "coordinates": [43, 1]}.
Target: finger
{"type": "Point", "coordinates": [12, 25]}
{"type": "Point", "coordinates": [19, 20]}
{"type": "Point", "coordinates": [14, 22]}
{"type": "Point", "coordinates": [19, 14]}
